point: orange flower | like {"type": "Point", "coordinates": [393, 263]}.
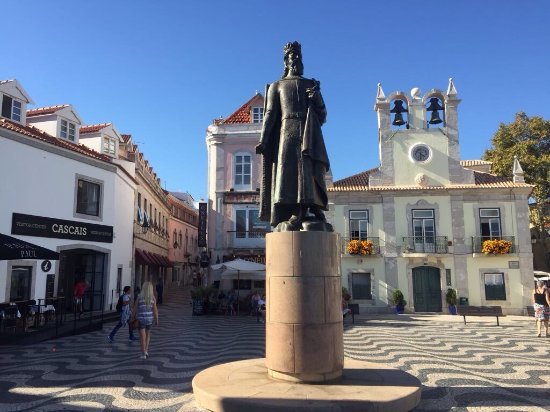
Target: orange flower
{"type": "Point", "coordinates": [360, 247]}
{"type": "Point", "coordinates": [496, 247]}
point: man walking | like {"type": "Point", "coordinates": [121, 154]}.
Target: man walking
{"type": "Point", "coordinates": [124, 308]}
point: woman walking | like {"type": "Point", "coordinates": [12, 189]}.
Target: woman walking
{"type": "Point", "coordinates": [541, 304]}
{"type": "Point", "coordinates": [145, 308]}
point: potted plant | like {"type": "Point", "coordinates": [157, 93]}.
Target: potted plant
{"type": "Point", "coordinates": [399, 301]}
{"type": "Point", "coordinates": [345, 294]}
{"type": "Point", "coordinates": [451, 298]}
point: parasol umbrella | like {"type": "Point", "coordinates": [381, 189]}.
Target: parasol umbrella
{"type": "Point", "coordinates": [239, 266]}
{"type": "Point", "coordinates": [12, 248]}
{"type": "Point", "coordinates": [540, 275]}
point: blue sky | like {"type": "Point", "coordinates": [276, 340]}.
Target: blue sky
{"type": "Point", "coordinates": [163, 70]}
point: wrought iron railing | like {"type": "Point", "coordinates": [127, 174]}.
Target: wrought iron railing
{"type": "Point", "coordinates": [368, 246]}
{"type": "Point", "coordinates": [425, 244]}
{"type": "Point", "coordinates": [494, 245]}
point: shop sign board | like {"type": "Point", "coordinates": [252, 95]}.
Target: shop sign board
{"type": "Point", "coordinates": [46, 266]}
{"type": "Point", "coordinates": [202, 225]}
{"type": "Point", "coordinates": [30, 225]}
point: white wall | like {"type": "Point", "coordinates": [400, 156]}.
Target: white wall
{"type": "Point", "coordinates": [42, 182]}
{"type": "Point", "coordinates": [48, 124]}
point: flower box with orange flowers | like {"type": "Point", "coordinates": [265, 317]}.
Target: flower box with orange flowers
{"type": "Point", "coordinates": [360, 247]}
{"type": "Point", "coordinates": [496, 247]}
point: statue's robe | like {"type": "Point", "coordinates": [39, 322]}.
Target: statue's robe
{"type": "Point", "coordinates": [295, 158]}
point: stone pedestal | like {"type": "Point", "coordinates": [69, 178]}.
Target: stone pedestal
{"type": "Point", "coordinates": [244, 386]}
{"type": "Point", "coordinates": [304, 368]}
{"type": "Point", "coordinates": [304, 332]}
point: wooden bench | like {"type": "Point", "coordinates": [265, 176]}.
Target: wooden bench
{"type": "Point", "coordinates": [479, 311]}
{"type": "Point", "coordinates": [353, 310]}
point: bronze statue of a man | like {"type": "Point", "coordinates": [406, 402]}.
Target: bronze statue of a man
{"type": "Point", "coordinates": [293, 193]}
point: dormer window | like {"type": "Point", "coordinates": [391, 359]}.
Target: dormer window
{"type": "Point", "coordinates": [68, 130]}
{"type": "Point", "coordinates": [257, 114]}
{"type": "Point", "coordinates": [109, 146]}
{"type": "Point", "coordinates": [11, 108]}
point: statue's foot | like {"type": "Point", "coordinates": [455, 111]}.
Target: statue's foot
{"type": "Point", "coordinates": [289, 226]}
{"type": "Point", "coordinates": [295, 220]}
{"type": "Point", "coordinates": [317, 226]}
{"type": "Point", "coordinates": [318, 213]}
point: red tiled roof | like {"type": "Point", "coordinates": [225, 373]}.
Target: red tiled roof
{"type": "Point", "coordinates": [360, 182]}
{"type": "Point", "coordinates": [126, 137]}
{"type": "Point", "coordinates": [242, 114]}
{"type": "Point", "coordinates": [93, 128]}
{"type": "Point", "coordinates": [38, 134]}
{"type": "Point", "coordinates": [45, 110]}
{"type": "Point", "coordinates": [490, 180]}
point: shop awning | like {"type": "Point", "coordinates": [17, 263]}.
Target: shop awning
{"type": "Point", "coordinates": [142, 258]}
{"type": "Point", "coordinates": [12, 248]}
{"type": "Point", "coordinates": [155, 259]}
{"type": "Point", "coordinates": [166, 261]}
{"type": "Point", "coordinates": [149, 258]}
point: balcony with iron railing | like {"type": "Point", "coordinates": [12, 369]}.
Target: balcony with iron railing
{"type": "Point", "coordinates": [368, 246]}
{"type": "Point", "coordinates": [425, 244]}
{"type": "Point", "coordinates": [493, 245]}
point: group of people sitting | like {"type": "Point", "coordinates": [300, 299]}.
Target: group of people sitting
{"type": "Point", "coordinates": [254, 304]}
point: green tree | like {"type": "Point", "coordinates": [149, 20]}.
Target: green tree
{"type": "Point", "coordinates": [528, 138]}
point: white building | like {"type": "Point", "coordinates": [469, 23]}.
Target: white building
{"type": "Point", "coordinates": [64, 196]}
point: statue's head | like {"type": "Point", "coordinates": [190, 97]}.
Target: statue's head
{"type": "Point", "coordinates": [293, 59]}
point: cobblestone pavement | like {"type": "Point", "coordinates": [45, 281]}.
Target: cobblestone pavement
{"type": "Point", "coordinates": [473, 367]}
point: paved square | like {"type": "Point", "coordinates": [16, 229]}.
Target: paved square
{"type": "Point", "coordinates": [478, 366]}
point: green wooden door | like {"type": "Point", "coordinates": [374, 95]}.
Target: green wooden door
{"type": "Point", "coordinates": [426, 289]}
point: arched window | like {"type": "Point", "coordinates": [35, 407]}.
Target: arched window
{"type": "Point", "coordinates": [180, 241]}
{"type": "Point", "coordinates": [242, 171]}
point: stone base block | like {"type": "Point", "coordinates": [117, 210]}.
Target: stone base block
{"type": "Point", "coordinates": [246, 386]}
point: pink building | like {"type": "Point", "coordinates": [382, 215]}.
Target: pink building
{"type": "Point", "coordinates": [234, 175]}
{"type": "Point", "coordinates": [183, 251]}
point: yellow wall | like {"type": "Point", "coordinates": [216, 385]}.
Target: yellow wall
{"type": "Point", "coordinates": [402, 224]}
{"type": "Point", "coordinates": [436, 169]}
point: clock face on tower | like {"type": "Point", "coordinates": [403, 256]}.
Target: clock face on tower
{"type": "Point", "coordinates": [420, 153]}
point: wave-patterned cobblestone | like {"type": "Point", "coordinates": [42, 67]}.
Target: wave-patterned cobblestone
{"type": "Point", "coordinates": [471, 367]}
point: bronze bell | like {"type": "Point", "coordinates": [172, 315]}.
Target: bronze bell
{"type": "Point", "coordinates": [434, 107]}
{"type": "Point", "coordinates": [398, 120]}
{"type": "Point", "coordinates": [435, 119]}
{"type": "Point", "coordinates": [398, 109]}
